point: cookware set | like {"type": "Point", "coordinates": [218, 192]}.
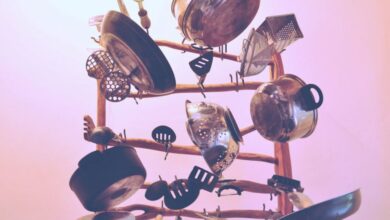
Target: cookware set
{"type": "Point", "coordinates": [281, 110]}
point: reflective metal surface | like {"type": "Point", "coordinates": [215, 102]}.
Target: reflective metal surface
{"type": "Point", "coordinates": [299, 200]}
{"type": "Point", "coordinates": [214, 22]}
{"type": "Point", "coordinates": [136, 54]}
{"type": "Point", "coordinates": [208, 129]}
{"type": "Point", "coordinates": [280, 31]}
{"type": "Point", "coordinates": [333, 209]}
{"type": "Point", "coordinates": [256, 54]}
{"type": "Point", "coordinates": [277, 110]}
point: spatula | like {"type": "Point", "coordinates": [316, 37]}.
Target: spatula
{"type": "Point", "coordinates": [180, 194]}
{"type": "Point", "coordinates": [164, 135]}
{"type": "Point", "coordinates": [202, 65]}
{"type": "Point", "coordinates": [202, 179]}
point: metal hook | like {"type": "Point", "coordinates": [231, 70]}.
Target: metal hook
{"type": "Point", "coordinates": [135, 99]}
{"type": "Point", "coordinates": [202, 89]}
{"type": "Point", "coordinates": [231, 78]}
{"type": "Point", "coordinates": [167, 147]}
{"type": "Point", "coordinates": [96, 40]}
{"type": "Point", "coordinates": [237, 84]}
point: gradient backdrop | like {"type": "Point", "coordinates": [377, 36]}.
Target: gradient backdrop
{"type": "Point", "coordinates": [45, 91]}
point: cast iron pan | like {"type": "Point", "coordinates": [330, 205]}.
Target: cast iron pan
{"type": "Point", "coordinates": [105, 179]}
{"type": "Point", "coordinates": [123, 28]}
{"type": "Point", "coordinates": [333, 209]}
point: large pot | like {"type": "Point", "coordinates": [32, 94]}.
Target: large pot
{"type": "Point", "coordinates": [105, 179]}
{"type": "Point", "coordinates": [213, 129]}
{"type": "Point", "coordinates": [214, 22]}
{"type": "Point", "coordinates": [285, 109]}
{"type": "Point", "coordinates": [136, 54]}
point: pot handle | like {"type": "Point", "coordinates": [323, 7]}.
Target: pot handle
{"type": "Point", "coordinates": [308, 101]}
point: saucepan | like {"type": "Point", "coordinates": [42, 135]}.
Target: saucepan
{"type": "Point", "coordinates": [105, 179]}
{"type": "Point", "coordinates": [214, 130]}
{"type": "Point", "coordinates": [214, 22]}
{"type": "Point", "coordinates": [285, 109]}
{"type": "Point", "coordinates": [136, 54]}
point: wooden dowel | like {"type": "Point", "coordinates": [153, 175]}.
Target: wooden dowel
{"type": "Point", "coordinates": [282, 151]}
{"type": "Point", "coordinates": [191, 88]}
{"type": "Point", "coordinates": [188, 150]}
{"type": "Point", "coordinates": [122, 7]}
{"type": "Point", "coordinates": [245, 185]}
{"type": "Point", "coordinates": [247, 130]}
{"type": "Point", "coordinates": [151, 212]}
{"type": "Point", "coordinates": [188, 48]}
{"type": "Point", "coordinates": [101, 112]}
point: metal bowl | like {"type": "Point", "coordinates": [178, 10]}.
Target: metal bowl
{"type": "Point", "coordinates": [213, 129]}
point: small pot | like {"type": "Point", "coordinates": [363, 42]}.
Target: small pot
{"type": "Point", "coordinates": [213, 129]}
{"type": "Point", "coordinates": [214, 22]}
{"type": "Point", "coordinates": [285, 109]}
{"type": "Point", "coordinates": [136, 54]}
{"type": "Point", "coordinates": [105, 179]}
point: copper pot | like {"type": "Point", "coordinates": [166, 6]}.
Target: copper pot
{"type": "Point", "coordinates": [285, 109]}
{"type": "Point", "coordinates": [214, 22]}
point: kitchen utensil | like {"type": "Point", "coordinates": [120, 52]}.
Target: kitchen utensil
{"type": "Point", "coordinates": [180, 194]}
{"type": "Point", "coordinates": [115, 86]}
{"type": "Point", "coordinates": [202, 179]}
{"type": "Point", "coordinates": [105, 179]}
{"type": "Point", "coordinates": [202, 65]}
{"type": "Point", "coordinates": [274, 35]}
{"type": "Point", "coordinates": [208, 128]}
{"type": "Point", "coordinates": [102, 135]}
{"type": "Point", "coordinates": [214, 22]}
{"type": "Point", "coordinates": [334, 209]}
{"type": "Point", "coordinates": [156, 190]}
{"type": "Point", "coordinates": [285, 109]}
{"type": "Point", "coordinates": [236, 189]}
{"type": "Point", "coordinates": [280, 30]}
{"type": "Point", "coordinates": [99, 64]}
{"type": "Point", "coordinates": [136, 54]}
{"type": "Point", "coordinates": [164, 135]}
{"type": "Point", "coordinates": [109, 215]}
{"type": "Point", "coordinates": [285, 184]}
{"type": "Point", "coordinates": [299, 200]}
{"type": "Point", "coordinates": [255, 55]}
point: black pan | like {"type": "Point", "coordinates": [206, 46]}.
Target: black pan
{"type": "Point", "coordinates": [333, 209]}
{"type": "Point", "coordinates": [105, 179]}
{"type": "Point", "coordinates": [136, 54]}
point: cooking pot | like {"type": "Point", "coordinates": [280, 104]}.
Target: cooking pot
{"type": "Point", "coordinates": [285, 109]}
{"type": "Point", "coordinates": [136, 54]}
{"type": "Point", "coordinates": [213, 129]}
{"type": "Point", "coordinates": [105, 179]}
{"type": "Point", "coordinates": [214, 22]}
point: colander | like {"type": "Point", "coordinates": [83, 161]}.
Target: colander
{"type": "Point", "coordinates": [213, 129]}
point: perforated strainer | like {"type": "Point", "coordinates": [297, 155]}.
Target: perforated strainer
{"type": "Point", "coordinates": [99, 64]}
{"type": "Point", "coordinates": [115, 86]}
{"type": "Point", "coordinates": [212, 131]}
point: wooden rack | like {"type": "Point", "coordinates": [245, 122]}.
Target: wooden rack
{"type": "Point", "coordinates": [281, 158]}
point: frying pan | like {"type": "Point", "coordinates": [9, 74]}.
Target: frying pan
{"type": "Point", "coordinates": [136, 54]}
{"type": "Point", "coordinates": [105, 179]}
{"type": "Point", "coordinates": [333, 209]}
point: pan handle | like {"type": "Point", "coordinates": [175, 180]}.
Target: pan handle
{"type": "Point", "coordinates": [307, 98]}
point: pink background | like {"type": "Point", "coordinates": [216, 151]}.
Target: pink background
{"type": "Point", "coordinates": [45, 92]}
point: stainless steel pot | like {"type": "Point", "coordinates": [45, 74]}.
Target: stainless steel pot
{"type": "Point", "coordinates": [214, 22]}
{"type": "Point", "coordinates": [214, 130]}
{"type": "Point", "coordinates": [285, 109]}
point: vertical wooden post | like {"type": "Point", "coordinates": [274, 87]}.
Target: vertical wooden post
{"type": "Point", "coordinates": [282, 151]}
{"type": "Point", "coordinates": [101, 112]}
